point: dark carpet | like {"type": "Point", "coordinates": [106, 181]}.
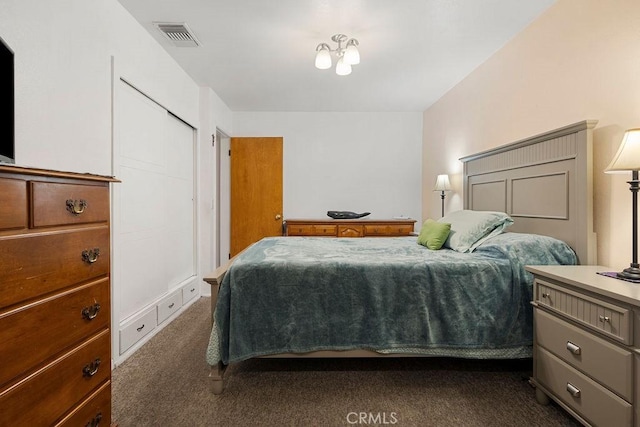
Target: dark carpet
{"type": "Point", "coordinates": [165, 383]}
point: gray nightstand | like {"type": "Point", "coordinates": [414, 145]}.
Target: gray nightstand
{"type": "Point", "coordinates": [586, 351]}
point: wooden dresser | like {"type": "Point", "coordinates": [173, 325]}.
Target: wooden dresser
{"type": "Point", "coordinates": [587, 343]}
{"type": "Point", "coordinates": [55, 337]}
{"type": "Point", "coordinates": [349, 227]}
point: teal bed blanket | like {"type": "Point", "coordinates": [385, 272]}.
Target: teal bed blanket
{"type": "Point", "coordinates": [301, 294]}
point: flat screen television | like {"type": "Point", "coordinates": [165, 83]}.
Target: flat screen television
{"type": "Point", "coordinates": [7, 105]}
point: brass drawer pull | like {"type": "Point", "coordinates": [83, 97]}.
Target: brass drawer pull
{"type": "Point", "coordinates": [76, 207]}
{"type": "Point", "coordinates": [91, 369]}
{"type": "Point", "coordinates": [95, 422]}
{"type": "Point", "coordinates": [573, 390]}
{"type": "Point", "coordinates": [91, 255]}
{"type": "Point", "coordinates": [604, 319]}
{"type": "Point", "coordinates": [573, 348]}
{"type": "Point", "coordinates": [91, 312]}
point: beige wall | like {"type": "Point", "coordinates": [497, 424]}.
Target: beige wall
{"type": "Point", "coordinates": [580, 60]}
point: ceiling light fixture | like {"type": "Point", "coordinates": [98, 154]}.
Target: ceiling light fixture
{"type": "Point", "coordinates": [347, 55]}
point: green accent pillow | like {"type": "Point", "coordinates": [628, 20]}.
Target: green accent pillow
{"type": "Point", "coordinates": [433, 234]}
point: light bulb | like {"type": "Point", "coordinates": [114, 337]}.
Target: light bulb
{"type": "Point", "coordinates": [323, 59]}
{"type": "Point", "coordinates": [342, 68]}
{"type": "Point", "coordinates": [351, 55]}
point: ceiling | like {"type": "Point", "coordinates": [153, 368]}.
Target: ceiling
{"type": "Point", "coordinates": [258, 55]}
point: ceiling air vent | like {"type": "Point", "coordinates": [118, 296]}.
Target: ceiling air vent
{"type": "Point", "coordinates": [177, 33]}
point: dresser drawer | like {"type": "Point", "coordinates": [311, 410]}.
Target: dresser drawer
{"type": "Point", "coordinates": [387, 230]}
{"type": "Point", "coordinates": [311, 230]}
{"type": "Point", "coordinates": [46, 395]}
{"type": "Point", "coordinates": [605, 362]}
{"type": "Point", "coordinates": [34, 265]}
{"type": "Point", "coordinates": [60, 204]}
{"type": "Point", "coordinates": [94, 411]}
{"type": "Point", "coordinates": [610, 319]}
{"type": "Point", "coordinates": [14, 212]}
{"type": "Point", "coordinates": [350, 230]}
{"type": "Point", "coordinates": [592, 401]}
{"type": "Point", "coordinates": [32, 334]}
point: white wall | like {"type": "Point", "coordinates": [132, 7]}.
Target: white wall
{"type": "Point", "coordinates": [214, 115]}
{"type": "Point", "coordinates": [361, 162]}
{"type": "Point", "coordinates": [63, 54]}
{"type": "Point", "coordinates": [67, 54]}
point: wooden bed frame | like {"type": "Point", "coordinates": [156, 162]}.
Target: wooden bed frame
{"type": "Point", "coordinates": [543, 182]}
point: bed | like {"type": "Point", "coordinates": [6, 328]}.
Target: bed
{"type": "Point", "coordinates": [528, 202]}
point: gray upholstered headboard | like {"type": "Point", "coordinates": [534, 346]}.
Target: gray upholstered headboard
{"type": "Point", "coordinates": [544, 182]}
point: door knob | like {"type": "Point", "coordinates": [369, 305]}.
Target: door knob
{"type": "Point", "coordinates": [278, 216]}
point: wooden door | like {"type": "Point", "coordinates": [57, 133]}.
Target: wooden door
{"type": "Point", "coordinates": [256, 190]}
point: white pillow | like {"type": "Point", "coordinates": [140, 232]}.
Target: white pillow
{"type": "Point", "coordinates": [470, 228]}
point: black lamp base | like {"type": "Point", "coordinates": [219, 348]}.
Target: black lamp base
{"type": "Point", "coordinates": [631, 272]}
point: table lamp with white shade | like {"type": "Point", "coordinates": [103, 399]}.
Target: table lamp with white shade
{"type": "Point", "coordinates": [442, 185]}
{"type": "Point", "coordinates": [627, 159]}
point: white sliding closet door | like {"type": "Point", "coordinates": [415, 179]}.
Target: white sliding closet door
{"type": "Point", "coordinates": [154, 215]}
{"type": "Point", "coordinates": [180, 209]}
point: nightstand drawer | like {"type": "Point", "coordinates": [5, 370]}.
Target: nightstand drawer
{"type": "Point", "coordinates": [592, 401]}
{"type": "Point", "coordinates": [605, 362]}
{"type": "Point", "coordinates": [60, 204]}
{"type": "Point", "coordinates": [609, 319]}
